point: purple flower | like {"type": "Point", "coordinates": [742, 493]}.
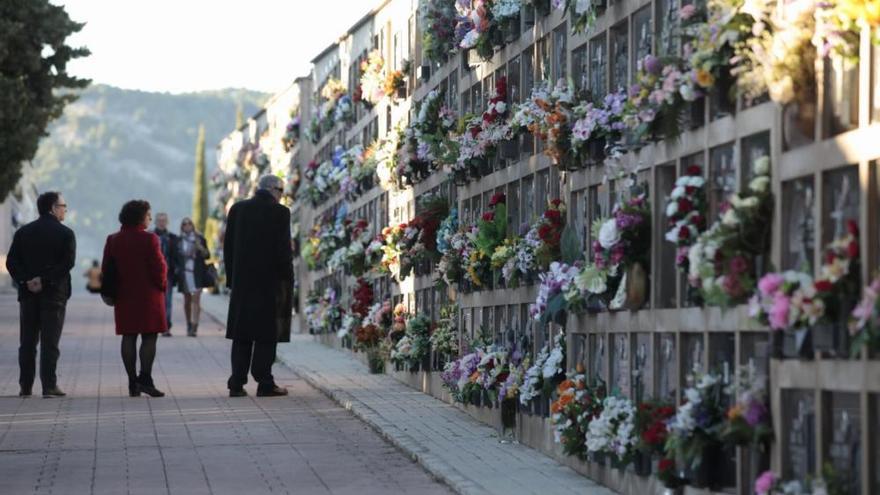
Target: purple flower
{"type": "Point", "coordinates": [764, 482]}
{"type": "Point", "coordinates": [755, 412]}
{"type": "Point", "coordinates": [652, 65]}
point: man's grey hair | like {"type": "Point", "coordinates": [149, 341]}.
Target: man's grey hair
{"type": "Point", "coordinates": [269, 182]}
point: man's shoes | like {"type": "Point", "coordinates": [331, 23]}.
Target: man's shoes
{"type": "Point", "coordinates": [53, 392]}
{"type": "Point", "coordinates": [238, 392]}
{"type": "Point", "coordinates": [275, 391]}
{"type": "Point", "coordinates": [25, 392]}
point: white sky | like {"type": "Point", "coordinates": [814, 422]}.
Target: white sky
{"type": "Point", "coordinates": [192, 45]}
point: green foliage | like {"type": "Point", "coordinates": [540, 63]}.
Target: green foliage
{"type": "Point", "coordinates": [34, 83]}
{"type": "Point", "coordinates": [200, 185]}
{"type": "Point", "coordinates": [571, 246]}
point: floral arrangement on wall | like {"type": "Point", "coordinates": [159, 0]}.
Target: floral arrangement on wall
{"type": "Point", "coordinates": [291, 131]}
{"type": "Point", "coordinates": [722, 260]}
{"type": "Point", "coordinates": [372, 83]}
{"type": "Point", "coordinates": [686, 213]}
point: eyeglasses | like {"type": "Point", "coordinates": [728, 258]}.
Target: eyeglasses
{"type": "Point", "coordinates": [61, 205]}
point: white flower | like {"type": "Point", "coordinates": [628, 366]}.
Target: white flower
{"type": "Point", "coordinates": [762, 165]}
{"type": "Point", "coordinates": [730, 218]}
{"type": "Point", "coordinates": [759, 184]}
{"type": "Point", "coordinates": [609, 236]}
{"type": "Point", "coordinates": [672, 208]}
{"type": "Point", "coordinates": [695, 181]}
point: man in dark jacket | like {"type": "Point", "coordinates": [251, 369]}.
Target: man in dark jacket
{"type": "Point", "coordinates": [259, 272]}
{"type": "Point", "coordinates": [40, 259]}
{"type": "Point", "coordinates": [168, 245]}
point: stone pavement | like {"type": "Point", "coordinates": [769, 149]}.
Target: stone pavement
{"type": "Point", "coordinates": [450, 444]}
{"type": "Point", "coordinates": [196, 440]}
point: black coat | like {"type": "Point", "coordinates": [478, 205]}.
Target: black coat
{"type": "Point", "coordinates": [168, 245]}
{"type": "Point", "coordinates": [259, 270]}
{"type": "Point", "coordinates": [44, 248]}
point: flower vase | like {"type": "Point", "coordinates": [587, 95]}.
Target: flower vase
{"type": "Point", "coordinates": [542, 7]}
{"type": "Point", "coordinates": [642, 464]}
{"type": "Point", "coordinates": [375, 361]}
{"type": "Point", "coordinates": [509, 149]}
{"type": "Point", "coordinates": [511, 29]}
{"type": "Point", "coordinates": [708, 474]}
{"type": "Point", "coordinates": [797, 344]}
{"type": "Point", "coordinates": [475, 398]}
{"type": "Point", "coordinates": [507, 433]}
{"type": "Point", "coordinates": [636, 286]}
{"type": "Point", "coordinates": [596, 151]}
{"type": "Point", "coordinates": [401, 92]}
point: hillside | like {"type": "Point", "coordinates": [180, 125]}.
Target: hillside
{"type": "Point", "coordinates": [115, 144]}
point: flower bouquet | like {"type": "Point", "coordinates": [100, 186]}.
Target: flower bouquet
{"type": "Point", "coordinates": [413, 348]}
{"type": "Point", "coordinates": [748, 419]}
{"type": "Point", "coordinates": [650, 427]}
{"type": "Point", "coordinates": [864, 322]}
{"type": "Point", "coordinates": [581, 12]}
{"type": "Point", "coordinates": [694, 433]}
{"type": "Point", "coordinates": [547, 371]}
{"type": "Point", "coordinates": [291, 132]}
{"type": "Point", "coordinates": [788, 302]}
{"type": "Point", "coordinates": [476, 29]}
{"type": "Point", "coordinates": [557, 292]}
{"type": "Point", "coordinates": [838, 286]}
{"type": "Point", "coordinates": [438, 35]}
{"type": "Point", "coordinates": [723, 261]}
{"type": "Point", "coordinates": [372, 78]}
{"type": "Point", "coordinates": [577, 404]}
{"type": "Point", "coordinates": [444, 340]}
{"type": "Point", "coordinates": [622, 249]}
{"type": "Point", "coordinates": [655, 107]}
{"type": "Point", "coordinates": [686, 213]}
{"type": "Point", "coordinates": [613, 431]}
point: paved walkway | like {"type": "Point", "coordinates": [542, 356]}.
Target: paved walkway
{"type": "Point", "coordinates": [449, 443]}
{"type": "Point", "coordinates": [194, 441]}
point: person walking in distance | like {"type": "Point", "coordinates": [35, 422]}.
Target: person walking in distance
{"type": "Point", "coordinates": [192, 250]}
{"type": "Point", "coordinates": [168, 244]}
{"type": "Point", "coordinates": [259, 273]}
{"type": "Point", "coordinates": [40, 259]}
{"type": "Point", "coordinates": [93, 278]}
{"type": "Point", "coordinates": [140, 283]}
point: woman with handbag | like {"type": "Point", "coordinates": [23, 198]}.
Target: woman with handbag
{"type": "Point", "coordinates": [134, 262]}
{"type": "Point", "coordinates": [192, 251]}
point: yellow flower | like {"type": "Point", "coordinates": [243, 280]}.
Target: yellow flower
{"type": "Point", "coordinates": [866, 11]}
{"type": "Point", "coordinates": [705, 78]}
{"type": "Point", "coordinates": [735, 411]}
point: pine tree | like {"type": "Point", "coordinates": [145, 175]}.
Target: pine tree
{"type": "Point", "coordinates": [34, 83]}
{"type": "Point", "coordinates": [239, 116]}
{"type": "Point", "coordinates": [200, 185]}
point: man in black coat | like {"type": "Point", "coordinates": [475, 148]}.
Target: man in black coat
{"type": "Point", "coordinates": [259, 272]}
{"type": "Point", "coordinates": [168, 245]}
{"type": "Point", "coordinates": [40, 259]}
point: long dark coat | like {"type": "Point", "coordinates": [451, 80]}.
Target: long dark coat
{"type": "Point", "coordinates": [142, 278]}
{"type": "Point", "coordinates": [259, 270]}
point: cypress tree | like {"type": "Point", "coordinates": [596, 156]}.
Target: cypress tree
{"type": "Point", "coordinates": [200, 185]}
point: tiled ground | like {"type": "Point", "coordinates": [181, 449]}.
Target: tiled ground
{"type": "Point", "coordinates": [195, 440]}
{"type": "Point", "coordinates": [450, 444]}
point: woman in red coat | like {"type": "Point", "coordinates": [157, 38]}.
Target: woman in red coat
{"type": "Point", "coordinates": [139, 305]}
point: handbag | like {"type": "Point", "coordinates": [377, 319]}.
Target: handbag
{"type": "Point", "coordinates": [109, 282]}
{"type": "Point", "coordinates": [211, 276]}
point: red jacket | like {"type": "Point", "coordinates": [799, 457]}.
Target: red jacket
{"type": "Point", "coordinates": [140, 301]}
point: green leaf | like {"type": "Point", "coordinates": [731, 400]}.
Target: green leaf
{"type": "Point", "coordinates": [570, 246]}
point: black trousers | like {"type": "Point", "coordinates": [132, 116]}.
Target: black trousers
{"type": "Point", "coordinates": [41, 320]}
{"type": "Point", "coordinates": [257, 357]}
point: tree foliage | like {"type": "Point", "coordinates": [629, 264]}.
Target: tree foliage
{"type": "Point", "coordinates": [34, 83]}
{"type": "Point", "coordinates": [200, 185]}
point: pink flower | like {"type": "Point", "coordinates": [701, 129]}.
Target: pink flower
{"type": "Point", "coordinates": [687, 11]}
{"type": "Point", "coordinates": [770, 283]}
{"type": "Point", "coordinates": [764, 483]}
{"type": "Point", "coordinates": [779, 312]}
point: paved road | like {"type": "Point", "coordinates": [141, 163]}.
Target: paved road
{"type": "Point", "coordinates": [196, 440]}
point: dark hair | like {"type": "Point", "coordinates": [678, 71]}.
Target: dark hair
{"type": "Point", "coordinates": [134, 212]}
{"type": "Point", "coordinates": [46, 201]}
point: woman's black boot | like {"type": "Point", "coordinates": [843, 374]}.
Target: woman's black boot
{"type": "Point", "coordinates": [145, 385]}
{"type": "Point", "coordinates": [133, 388]}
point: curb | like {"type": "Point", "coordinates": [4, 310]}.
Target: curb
{"type": "Point", "coordinates": [435, 466]}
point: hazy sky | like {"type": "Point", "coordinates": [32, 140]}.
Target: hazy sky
{"type": "Point", "coordinates": [191, 45]}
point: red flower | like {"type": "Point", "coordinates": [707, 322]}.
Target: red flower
{"type": "Point", "coordinates": [738, 264]}
{"type": "Point", "coordinates": [823, 285]}
{"type": "Point", "coordinates": [852, 250]}
{"type": "Point", "coordinates": [689, 189]}
{"type": "Point", "coordinates": [694, 170]}
{"type": "Point", "coordinates": [497, 198]}
{"type": "Point", "coordinates": [829, 257]}
{"type": "Point", "coordinates": [553, 216]}
{"type": "Point", "coordinates": [665, 465]}
{"type": "Point", "coordinates": [684, 233]}
{"type": "Point", "coordinates": [699, 220]}
{"type": "Point", "coordinates": [489, 216]}
{"type": "Point", "coordinates": [475, 131]}
{"type": "Point", "coordinates": [684, 206]}
{"type": "Point", "coordinates": [852, 227]}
